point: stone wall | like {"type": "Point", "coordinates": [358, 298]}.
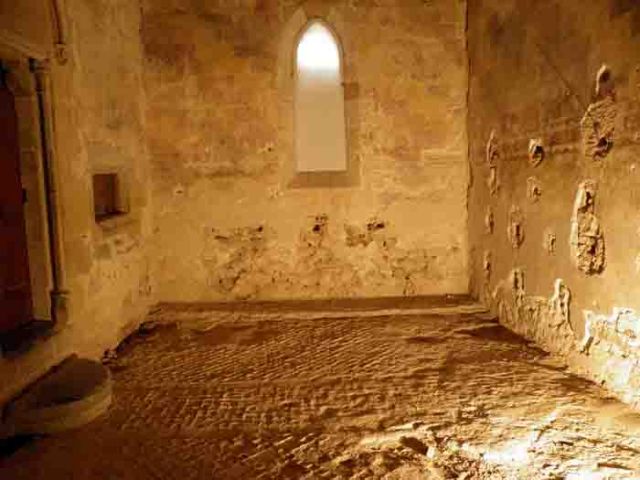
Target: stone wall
{"type": "Point", "coordinates": [108, 262]}
{"type": "Point", "coordinates": [230, 220]}
{"type": "Point", "coordinates": [95, 101]}
{"type": "Point", "coordinates": [554, 127]}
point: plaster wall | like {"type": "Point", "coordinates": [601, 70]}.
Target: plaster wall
{"type": "Point", "coordinates": [567, 211]}
{"type": "Point", "coordinates": [231, 218]}
{"type": "Point", "coordinates": [95, 101]}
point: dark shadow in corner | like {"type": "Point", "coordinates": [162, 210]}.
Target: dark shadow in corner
{"type": "Point", "coordinates": [10, 446]}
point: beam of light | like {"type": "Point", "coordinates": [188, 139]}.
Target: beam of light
{"type": "Point", "coordinates": [318, 51]}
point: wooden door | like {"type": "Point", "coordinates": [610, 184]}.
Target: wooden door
{"type": "Point", "coordinates": [15, 285]}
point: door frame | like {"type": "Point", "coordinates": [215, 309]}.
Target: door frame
{"type": "Point", "coordinates": [38, 86]}
{"type": "Point", "coordinates": [17, 286]}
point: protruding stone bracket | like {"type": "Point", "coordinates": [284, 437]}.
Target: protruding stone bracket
{"type": "Point", "coordinates": [550, 241]}
{"type": "Point", "coordinates": [536, 151]}
{"type": "Point", "coordinates": [493, 152]}
{"type": "Point", "coordinates": [598, 123]}
{"type": "Point", "coordinates": [493, 182]}
{"type": "Point", "coordinates": [534, 189]}
{"type": "Point", "coordinates": [487, 266]}
{"type": "Point", "coordinates": [604, 82]}
{"type": "Point", "coordinates": [515, 229]}
{"type": "Point", "coordinates": [489, 221]}
{"type": "Point", "coordinates": [59, 42]}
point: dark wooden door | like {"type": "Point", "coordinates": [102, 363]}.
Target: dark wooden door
{"type": "Point", "coordinates": [15, 286]}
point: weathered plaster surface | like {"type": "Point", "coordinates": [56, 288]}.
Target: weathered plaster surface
{"type": "Point", "coordinates": [229, 221]}
{"type": "Point", "coordinates": [98, 124]}
{"type": "Point", "coordinates": [610, 346]}
{"type": "Point", "coordinates": [543, 319]}
{"type": "Point", "coordinates": [564, 76]}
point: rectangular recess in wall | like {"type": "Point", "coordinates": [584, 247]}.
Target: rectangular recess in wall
{"type": "Point", "coordinates": [107, 196]}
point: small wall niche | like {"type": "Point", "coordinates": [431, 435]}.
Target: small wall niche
{"type": "Point", "coordinates": [108, 196]}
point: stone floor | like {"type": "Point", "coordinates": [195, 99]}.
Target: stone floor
{"type": "Point", "coordinates": [397, 394]}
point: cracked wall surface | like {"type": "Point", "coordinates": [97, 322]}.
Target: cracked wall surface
{"type": "Point", "coordinates": [565, 77]}
{"type": "Point", "coordinates": [228, 221]}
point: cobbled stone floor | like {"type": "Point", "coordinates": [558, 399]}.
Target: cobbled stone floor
{"type": "Point", "coordinates": [396, 394]}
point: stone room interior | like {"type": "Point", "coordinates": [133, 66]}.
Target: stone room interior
{"type": "Point", "coordinates": [319, 239]}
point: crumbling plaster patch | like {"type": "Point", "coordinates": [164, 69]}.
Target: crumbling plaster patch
{"type": "Point", "coordinates": [598, 127]}
{"type": "Point", "coordinates": [250, 262]}
{"type": "Point", "coordinates": [543, 320]}
{"type": "Point", "coordinates": [587, 238]}
{"type": "Point", "coordinates": [609, 349]}
{"type": "Point", "coordinates": [356, 235]}
{"type": "Point", "coordinates": [611, 344]}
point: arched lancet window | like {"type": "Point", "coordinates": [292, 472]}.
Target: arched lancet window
{"type": "Point", "coordinates": [320, 133]}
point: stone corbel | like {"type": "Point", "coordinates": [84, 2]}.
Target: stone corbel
{"type": "Point", "coordinates": [59, 41]}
